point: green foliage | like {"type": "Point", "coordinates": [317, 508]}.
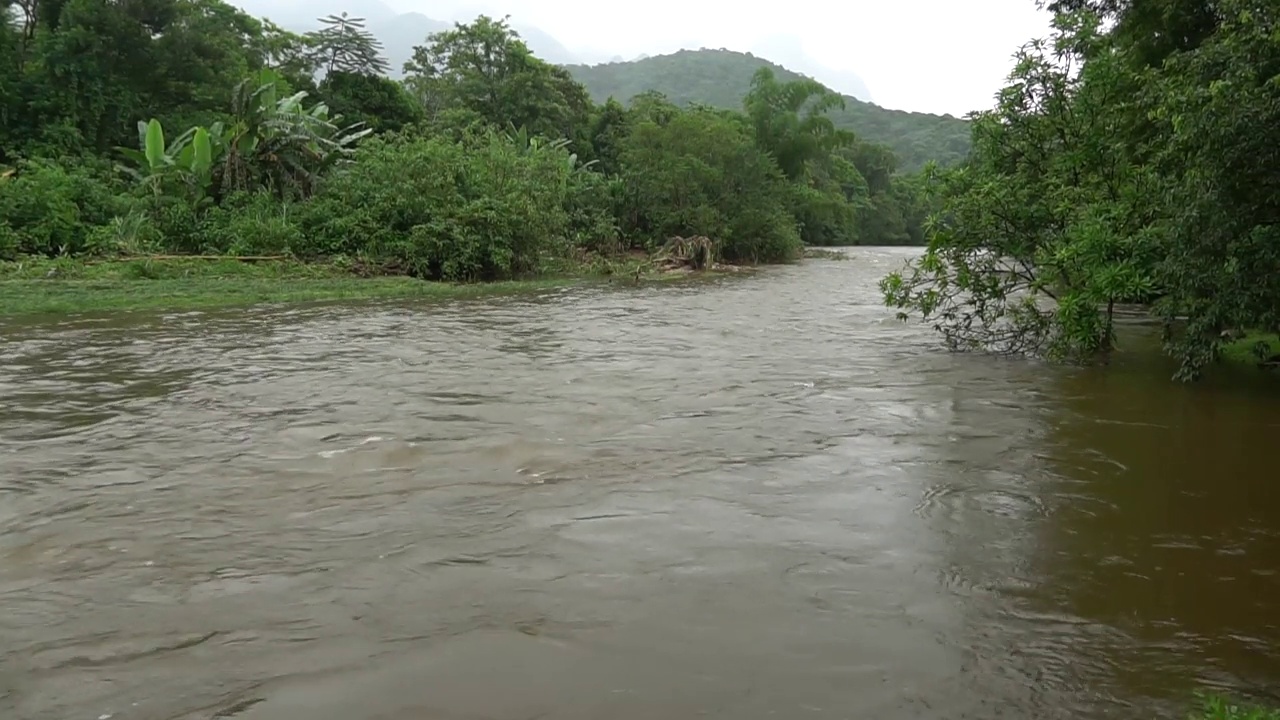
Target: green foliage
{"type": "Point", "coordinates": [721, 78]}
{"type": "Point", "coordinates": [370, 101]}
{"type": "Point", "coordinates": [795, 140]}
{"type": "Point", "coordinates": [488, 162]}
{"type": "Point", "coordinates": [274, 141]}
{"type": "Point", "coordinates": [252, 224]}
{"type": "Point", "coordinates": [50, 208]}
{"type": "Point", "coordinates": [481, 210]}
{"type": "Point", "coordinates": [344, 45]}
{"type": "Point", "coordinates": [1218, 708]}
{"type": "Point", "coordinates": [485, 68]}
{"type": "Point", "coordinates": [701, 173]}
{"type": "Point", "coordinates": [1134, 163]}
{"type": "Point", "coordinates": [1218, 120]}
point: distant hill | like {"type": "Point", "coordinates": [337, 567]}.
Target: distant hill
{"type": "Point", "coordinates": [399, 32]}
{"type": "Point", "coordinates": [720, 78]}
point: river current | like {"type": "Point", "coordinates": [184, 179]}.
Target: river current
{"type": "Point", "coordinates": [749, 497]}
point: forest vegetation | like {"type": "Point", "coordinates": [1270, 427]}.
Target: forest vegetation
{"type": "Point", "coordinates": [187, 127]}
{"type": "Point", "coordinates": [1132, 159]}
{"type": "Point", "coordinates": [720, 78]}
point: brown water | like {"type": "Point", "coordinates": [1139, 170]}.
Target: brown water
{"type": "Point", "coordinates": [757, 497]}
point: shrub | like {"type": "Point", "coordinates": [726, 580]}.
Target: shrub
{"type": "Point", "coordinates": [52, 207]}
{"type": "Point", "coordinates": [8, 242]}
{"type": "Point", "coordinates": [483, 208]}
{"type": "Point", "coordinates": [253, 224]}
{"type": "Point", "coordinates": [700, 173]}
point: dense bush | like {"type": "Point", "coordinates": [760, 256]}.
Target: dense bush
{"type": "Point", "coordinates": [482, 209]}
{"type": "Point", "coordinates": [190, 136]}
{"type": "Point", "coordinates": [51, 208]}
{"type": "Point", "coordinates": [253, 224]}
{"type": "Point", "coordinates": [701, 173]}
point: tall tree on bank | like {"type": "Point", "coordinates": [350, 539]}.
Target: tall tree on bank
{"type": "Point", "coordinates": [344, 45]}
{"type": "Point", "coordinates": [1131, 159]}
{"type": "Point", "coordinates": [485, 69]}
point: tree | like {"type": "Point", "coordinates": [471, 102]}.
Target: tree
{"type": "Point", "coordinates": [701, 173]}
{"type": "Point", "coordinates": [486, 69]}
{"type": "Point", "coordinates": [791, 122]}
{"type": "Point", "coordinates": [343, 45]}
{"type": "Point", "coordinates": [1130, 160]}
{"type": "Point", "coordinates": [609, 127]}
{"type": "Point", "coordinates": [1043, 231]}
{"type": "Point", "coordinates": [1219, 130]}
{"type": "Point", "coordinates": [378, 103]}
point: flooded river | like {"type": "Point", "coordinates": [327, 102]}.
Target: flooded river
{"type": "Point", "coordinates": [755, 497]}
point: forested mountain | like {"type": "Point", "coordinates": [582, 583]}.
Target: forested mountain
{"type": "Point", "coordinates": [720, 78]}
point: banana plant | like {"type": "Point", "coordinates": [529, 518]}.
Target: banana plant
{"type": "Point", "coordinates": [188, 159]}
{"type": "Point", "coordinates": [275, 141]}
{"type": "Point", "coordinates": [526, 143]}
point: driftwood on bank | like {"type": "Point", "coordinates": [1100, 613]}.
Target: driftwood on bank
{"type": "Point", "coordinates": [693, 253]}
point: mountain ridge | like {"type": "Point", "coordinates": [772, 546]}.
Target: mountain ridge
{"type": "Point", "coordinates": [721, 78]}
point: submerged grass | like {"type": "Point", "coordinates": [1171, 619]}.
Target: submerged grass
{"type": "Point", "coordinates": [64, 286]}
{"type": "Point", "coordinates": [46, 286]}
{"type": "Point", "coordinates": [1219, 708]}
{"type": "Point", "coordinates": [1244, 350]}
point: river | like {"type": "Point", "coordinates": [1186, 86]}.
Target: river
{"type": "Point", "coordinates": [752, 497]}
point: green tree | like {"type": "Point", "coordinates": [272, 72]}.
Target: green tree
{"type": "Point", "coordinates": [701, 173]}
{"type": "Point", "coordinates": [344, 45]}
{"type": "Point", "coordinates": [791, 122]}
{"type": "Point", "coordinates": [1043, 231]}
{"type": "Point", "coordinates": [609, 128]}
{"type": "Point", "coordinates": [484, 68]}
{"type": "Point", "coordinates": [379, 103]}
{"type": "Point", "coordinates": [1219, 149]}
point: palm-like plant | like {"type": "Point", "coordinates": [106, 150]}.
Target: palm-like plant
{"type": "Point", "coordinates": [274, 141]}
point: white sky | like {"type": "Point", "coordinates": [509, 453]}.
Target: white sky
{"type": "Point", "coordinates": [939, 56]}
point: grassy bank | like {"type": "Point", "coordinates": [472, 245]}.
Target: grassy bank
{"type": "Point", "coordinates": [1242, 350]}
{"type": "Point", "coordinates": [64, 286]}
{"type": "Point", "coordinates": [42, 285]}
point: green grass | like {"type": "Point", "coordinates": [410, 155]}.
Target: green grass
{"type": "Point", "coordinates": [65, 286]}
{"type": "Point", "coordinates": [35, 286]}
{"type": "Point", "coordinates": [1217, 708]}
{"type": "Point", "coordinates": [1242, 350]}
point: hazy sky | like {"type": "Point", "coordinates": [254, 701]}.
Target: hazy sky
{"type": "Point", "coordinates": [940, 56]}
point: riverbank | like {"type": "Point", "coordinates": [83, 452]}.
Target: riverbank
{"type": "Point", "coordinates": [55, 286]}
{"type": "Point", "coordinates": [1242, 351]}
{"type": "Point", "coordinates": [40, 285]}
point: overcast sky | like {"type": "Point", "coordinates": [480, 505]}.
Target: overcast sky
{"type": "Point", "coordinates": [939, 56]}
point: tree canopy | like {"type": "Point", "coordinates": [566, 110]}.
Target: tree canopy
{"type": "Point", "coordinates": [1131, 159]}
{"type": "Point", "coordinates": [720, 78]}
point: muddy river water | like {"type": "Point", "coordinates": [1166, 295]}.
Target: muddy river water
{"type": "Point", "coordinates": [754, 497]}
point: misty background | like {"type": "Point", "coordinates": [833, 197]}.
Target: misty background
{"type": "Point", "coordinates": [935, 56]}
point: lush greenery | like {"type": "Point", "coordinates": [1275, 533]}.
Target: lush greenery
{"type": "Point", "coordinates": [1217, 708]}
{"type": "Point", "coordinates": [1134, 157]}
{"type": "Point", "coordinates": [719, 78]}
{"type": "Point", "coordinates": [186, 127]}
{"type": "Point", "coordinates": [61, 285]}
